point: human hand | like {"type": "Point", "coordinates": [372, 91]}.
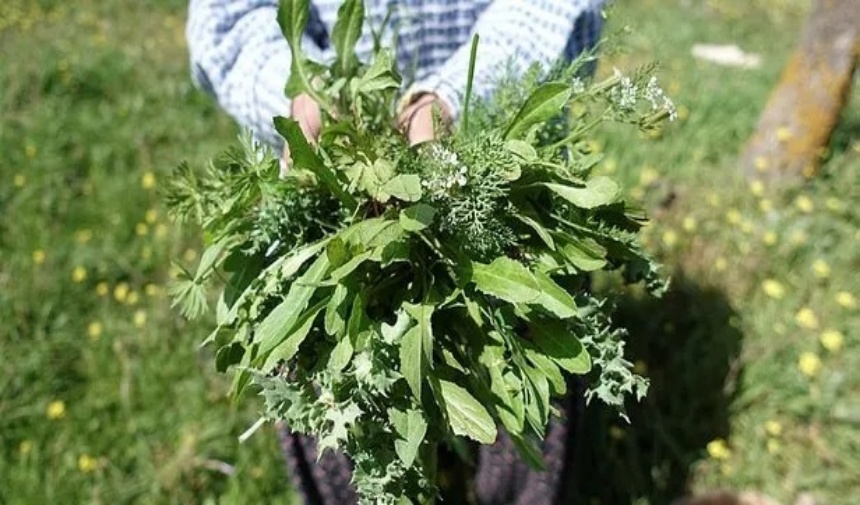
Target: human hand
{"type": "Point", "coordinates": [307, 113]}
{"type": "Point", "coordinates": [417, 121]}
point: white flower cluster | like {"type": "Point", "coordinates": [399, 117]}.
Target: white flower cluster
{"type": "Point", "coordinates": [452, 172]}
{"type": "Point", "coordinates": [658, 99]}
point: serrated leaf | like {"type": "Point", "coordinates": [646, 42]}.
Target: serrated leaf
{"type": "Point", "coordinates": [554, 298]}
{"type": "Point", "coordinates": [417, 217]}
{"type": "Point", "coordinates": [345, 35]}
{"type": "Point", "coordinates": [291, 342]}
{"type": "Point", "coordinates": [336, 311]}
{"type": "Point", "coordinates": [522, 149]}
{"type": "Point", "coordinates": [466, 416]}
{"type": "Point", "coordinates": [340, 355]}
{"type": "Point", "coordinates": [405, 187]}
{"type": "Point", "coordinates": [549, 369]}
{"type": "Point", "coordinates": [281, 320]}
{"type": "Point", "coordinates": [539, 230]}
{"type": "Point", "coordinates": [560, 345]}
{"type": "Point", "coordinates": [545, 103]}
{"type": "Point", "coordinates": [597, 192]}
{"type": "Point", "coordinates": [416, 348]}
{"type": "Point", "coordinates": [412, 428]}
{"type": "Point", "coordinates": [380, 76]}
{"type": "Point", "coordinates": [584, 253]}
{"type": "Point", "coordinates": [506, 279]}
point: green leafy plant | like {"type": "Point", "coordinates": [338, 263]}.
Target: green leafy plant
{"type": "Point", "coordinates": [386, 298]}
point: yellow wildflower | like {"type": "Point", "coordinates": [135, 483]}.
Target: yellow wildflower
{"type": "Point", "coordinates": [773, 428]}
{"type": "Point", "coordinates": [834, 204]}
{"type": "Point", "coordinates": [746, 226]}
{"type": "Point", "coordinates": [87, 463]}
{"type": "Point", "coordinates": [798, 237]}
{"type": "Point", "coordinates": [757, 187]}
{"type": "Point", "coordinates": [733, 216]}
{"type": "Point", "coordinates": [151, 290]}
{"type": "Point", "coordinates": [146, 253]}
{"type": "Point", "coordinates": [94, 330]}
{"type": "Point", "coordinates": [719, 449]}
{"type": "Point", "coordinates": [56, 409]}
{"type": "Point", "coordinates": [151, 216]}
{"type": "Point", "coordinates": [773, 446]}
{"type": "Point", "coordinates": [832, 340]}
{"type": "Point", "coordinates": [83, 236]}
{"type": "Point", "coordinates": [846, 300]}
{"type": "Point", "coordinates": [648, 176]}
{"type": "Point", "coordinates": [689, 224]}
{"type": "Point", "coordinates": [102, 289]}
{"type": "Point", "coordinates": [38, 256]}
{"type": "Point", "coordinates": [806, 318]}
{"type": "Point", "coordinates": [804, 204]}
{"type": "Point", "coordinates": [141, 229]}
{"type": "Point", "coordinates": [132, 298]}
{"type": "Point", "coordinates": [769, 238]}
{"type": "Point", "coordinates": [19, 181]}
{"type": "Point", "coordinates": [714, 200]}
{"type": "Point", "coordinates": [610, 165]}
{"type": "Point", "coordinates": [79, 274]}
{"type": "Point", "coordinates": [120, 292]}
{"type": "Point", "coordinates": [765, 205]}
{"type": "Point", "coordinates": [783, 134]}
{"type": "Point", "coordinates": [25, 447]}
{"type": "Point", "coordinates": [140, 319]}
{"type": "Point", "coordinates": [147, 180]}
{"type": "Point", "coordinates": [189, 255]}
{"type": "Point", "coordinates": [30, 150]}
{"type": "Point", "coordinates": [727, 469]}
{"type": "Point", "coordinates": [809, 364]}
{"type": "Point", "coordinates": [773, 289]}
{"type": "Point", "coordinates": [821, 269]}
{"type": "Point", "coordinates": [761, 164]}
{"type": "Point", "coordinates": [720, 264]}
{"type": "Point", "coordinates": [670, 238]}
{"type": "Point", "coordinates": [160, 230]}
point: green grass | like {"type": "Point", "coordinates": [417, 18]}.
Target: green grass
{"type": "Point", "coordinates": [96, 103]}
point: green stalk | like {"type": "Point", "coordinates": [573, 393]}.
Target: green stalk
{"type": "Point", "coordinates": [468, 97]}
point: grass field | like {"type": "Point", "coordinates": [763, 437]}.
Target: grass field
{"type": "Point", "coordinates": [105, 397]}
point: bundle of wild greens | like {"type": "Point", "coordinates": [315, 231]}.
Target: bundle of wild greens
{"type": "Point", "coordinates": [387, 298]}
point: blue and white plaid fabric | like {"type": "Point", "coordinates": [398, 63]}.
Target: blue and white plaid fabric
{"type": "Point", "coordinates": [239, 55]}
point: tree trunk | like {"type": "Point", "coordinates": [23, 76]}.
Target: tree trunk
{"type": "Point", "coordinates": [803, 109]}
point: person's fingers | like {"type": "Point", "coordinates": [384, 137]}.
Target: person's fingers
{"type": "Point", "coordinates": [418, 120]}
{"type": "Point", "coordinates": [307, 113]}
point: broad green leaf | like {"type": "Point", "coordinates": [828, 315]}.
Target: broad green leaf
{"type": "Point", "coordinates": [545, 103]}
{"type": "Point", "coordinates": [336, 311]}
{"type": "Point", "coordinates": [337, 252]}
{"type": "Point", "coordinates": [350, 266]}
{"type": "Point", "coordinates": [290, 345]}
{"type": "Point", "coordinates": [522, 149]}
{"type": "Point", "coordinates": [380, 76]}
{"type": "Point", "coordinates": [228, 355]}
{"type": "Point", "coordinates": [280, 322]}
{"type": "Point", "coordinates": [506, 279]}
{"type": "Point", "coordinates": [346, 32]}
{"type": "Point", "coordinates": [466, 416]}
{"type": "Point", "coordinates": [417, 217]}
{"type": "Point", "coordinates": [357, 321]}
{"type": "Point", "coordinates": [340, 355]}
{"type": "Point", "coordinates": [554, 298]}
{"type": "Point", "coordinates": [416, 347]}
{"type": "Point", "coordinates": [537, 406]}
{"type": "Point", "coordinates": [304, 157]}
{"type": "Point", "coordinates": [405, 187]}
{"type": "Point", "coordinates": [393, 333]}
{"type": "Point", "coordinates": [597, 192]}
{"type": "Point", "coordinates": [549, 369]}
{"type": "Point", "coordinates": [293, 16]}
{"type": "Point", "coordinates": [562, 346]}
{"type": "Point", "coordinates": [412, 428]}
{"type": "Point", "coordinates": [538, 229]}
{"type": "Point", "coordinates": [584, 253]}
{"type": "Point", "coordinates": [493, 359]}
{"type": "Point", "coordinates": [210, 257]}
{"type": "Point", "coordinates": [294, 262]}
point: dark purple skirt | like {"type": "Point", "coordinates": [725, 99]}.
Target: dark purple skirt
{"type": "Point", "coordinates": [500, 478]}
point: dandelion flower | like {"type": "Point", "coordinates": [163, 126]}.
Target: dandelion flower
{"type": "Point", "coordinates": [160, 230]}
{"type": "Point", "coordinates": [770, 238]}
{"type": "Point", "coordinates": [141, 229]}
{"type": "Point", "coordinates": [773, 289]}
{"type": "Point", "coordinates": [87, 463]}
{"type": "Point", "coordinates": [689, 224]}
{"type": "Point", "coordinates": [38, 256]}
{"type": "Point", "coordinates": [832, 340]}
{"type": "Point", "coordinates": [809, 364]}
{"type": "Point", "coordinates": [25, 447]}
{"type": "Point", "coordinates": [132, 298]}
{"type": "Point", "coordinates": [151, 290]}
{"type": "Point", "coordinates": [846, 300]}
{"type": "Point", "coordinates": [79, 274]}
{"type": "Point", "coordinates": [765, 205]}
{"type": "Point", "coordinates": [189, 255]}
{"type": "Point", "coordinates": [806, 318]}
{"type": "Point", "coordinates": [761, 164]}
{"type": "Point", "coordinates": [140, 319]}
{"type": "Point", "coordinates": [670, 238]}
{"type": "Point", "coordinates": [720, 264]}
{"type": "Point", "coordinates": [102, 289]}
{"type": "Point", "coordinates": [773, 428]}
{"type": "Point", "coordinates": [19, 181]}
{"type": "Point", "coordinates": [773, 446]}
{"type": "Point", "coordinates": [834, 204]}
{"type": "Point", "coordinates": [94, 330]}
{"type": "Point", "coordinates": [56, 409]}
{"type": "Point", "coordinates": [151, 216]}
{"type": "Point", "coordinates": [733, 216]}
{"type": "Point", "coordinates": [783, 134]}
{"type": "Point", "coordinates": [757, 187]}
{"type": "Point", "coordinates": [147, 181]}
{"type": "Point", "coordinates": [120, 292]}
{"type": "Point", "coordinates": [804, 204]}
{"type": "Point", "coordinates": [718, 449]}
{"type": "Point", "coordinates": [648, 176]}
{"type": "Point", "coordinates": [821, 269]}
